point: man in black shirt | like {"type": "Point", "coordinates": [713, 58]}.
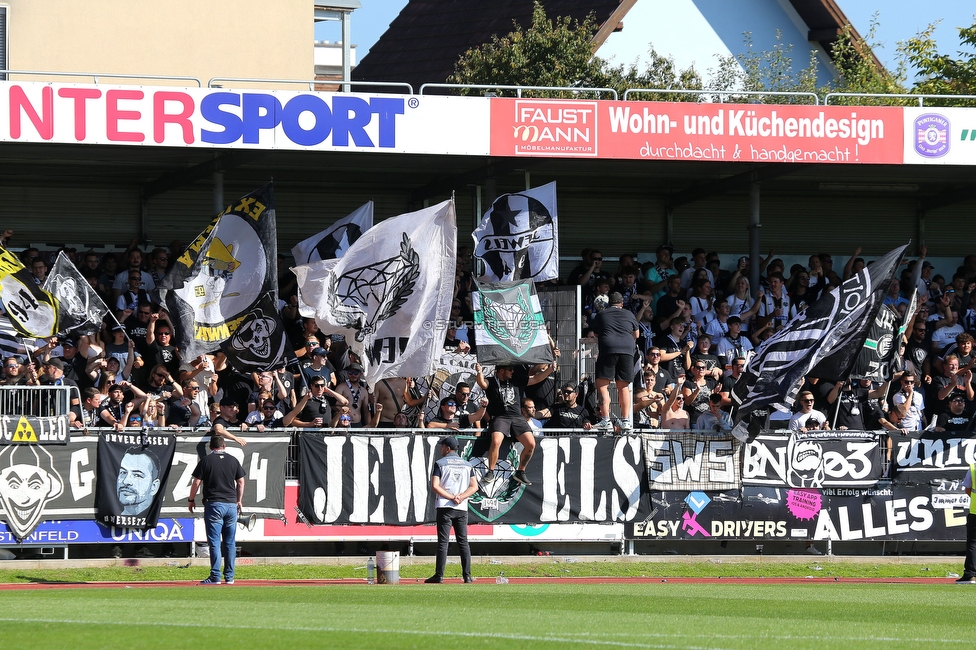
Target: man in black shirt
{"type": "Point", "coordinates": [505, 409]}
{"type": "Point", "coordinates": [227, 419]}
{"type": "Point", "coordinates": [569, 414]}
{"type": "Point", "coordinates": [955, 419]}
{"type": "Point", "coordinates": [317, 413]}
{"type": "Point", "coordinates": [617, 331]}
{"type": "Point", "coordinates": [223, 491]}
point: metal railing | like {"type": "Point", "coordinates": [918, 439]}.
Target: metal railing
{"type": "Point", "coordinates": [314, 82]}
{"type": "Point", "coordinates": [723, 93]}
{"type": "Point", "coordinates": [518, 89]}
{"type": "Point", "coordinates": [36, 401]}
{"type": "Point", "coordinates": [921, 98]}
{"type": "Point", "coordinates": [96, 75]}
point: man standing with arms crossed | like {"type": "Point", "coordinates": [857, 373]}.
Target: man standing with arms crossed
{"type": "Point", "coordinates": [616, 330]}
{"type": "Point", "coordinates": [453, 482]}
{"type": "Point", "coordinates": [223, 489]}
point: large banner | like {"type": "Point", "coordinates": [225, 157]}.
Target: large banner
{"type": "Point", "coordinates": [753, 133]}
{"type": "Point", "coordinates": [891, 512]}
{"type": "Point", "coordinates": [37, 111]}
{"type": "Point", "coordinates": [691, 461]}
{"type": "Point", "coordinates": [56, 483]}
{"type": "Point", "coordinates": [246, 119]}
{"type": "Point", "coordinates": [141, 464]}
{"type": "Point", "coordinates": [813, 459]}
{"type": "Point", "coordinates": [385, 480]}
{"type": "Point", "coordinates": [931, 456]}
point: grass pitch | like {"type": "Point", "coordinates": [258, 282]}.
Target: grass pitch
{"type": "Point", "coordinates": [487, 615]}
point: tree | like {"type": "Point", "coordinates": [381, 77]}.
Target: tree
{"type": "Point", "coordinates": [941, 74]}
{"type": "Point", "coordinates": [549, 53]}
{"type": "Point", "coordinates": [560, 53]}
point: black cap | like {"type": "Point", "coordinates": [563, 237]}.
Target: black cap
{"type": "Point", "coordinates": [665, 247]}
{"type": "Point", "coordinates": [57, 362]}
{"type": "Point", "coordinates": [355, 366]}
{"type": "Point", "coordinates": [450, 442]}
{"type": "Point", "coordinates": [616, 298]}
{"type": "Point", "coordinates": [228, 401]}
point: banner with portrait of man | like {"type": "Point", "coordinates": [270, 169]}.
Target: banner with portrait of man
{"type": "Point", "coordinates": [139, 465]}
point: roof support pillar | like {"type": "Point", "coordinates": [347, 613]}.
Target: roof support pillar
{"type": "Point", "coordinates": [755, 257]}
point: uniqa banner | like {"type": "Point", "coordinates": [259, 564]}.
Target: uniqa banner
{"type": "Point", "coordinates": [691, 461]}
{"type": "Point", "coordinates": [385, 480]}
{"type": "Point", "coordinates": [813, 459]}
{"type": "Point", "coordinates": [892, 511]}
{"type": "Point", "coordinates": [44, 483]}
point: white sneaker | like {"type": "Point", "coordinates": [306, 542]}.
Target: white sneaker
{"type": "Point", "coordinates": [812, 550]}
{"type": "Point", "coordinates": [604, 425]}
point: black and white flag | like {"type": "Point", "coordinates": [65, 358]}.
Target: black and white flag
{"type": "Point", "coordinates": [81, 308]}
{"type": "Point", "coordinates": [390, 294]}
{"type": "Point", "coordinates": [509, 326]}
{"type": "Point", "coordinates": [335, 240]}
{"type": "Point", "coordinates": [874, 361]}
{"type": "Point", "coordinates": [222, 275]}
{"type": "Point", "coordinates": [518, 237]}
{"type": "Point", "coordinates": [821, 341]}
{"type": "Point", "coordinates": [259, 343]}
{"type": "Point", "coordinates": [132, 472]}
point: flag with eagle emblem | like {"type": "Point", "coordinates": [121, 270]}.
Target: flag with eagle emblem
{"type": "Point", "coordinates": [518, 237]}
{"type": "Point", "coordinates": [223, 274]}
{"type": "Point", "coordinates": [509, 326]}
{"type": "Point", "coordinates": [390, 294]}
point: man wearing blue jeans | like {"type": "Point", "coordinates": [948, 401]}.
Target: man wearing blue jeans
{"type": "Point", "coordinates": [223, 489]}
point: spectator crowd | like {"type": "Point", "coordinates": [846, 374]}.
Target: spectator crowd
{"type": "Point", "coordinates": [699, 325]}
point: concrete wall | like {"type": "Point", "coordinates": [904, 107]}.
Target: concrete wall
{"type": "Point", "coordinates": [204, 39]}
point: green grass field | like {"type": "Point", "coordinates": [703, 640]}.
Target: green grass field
{"type": "Point", "coordinates": [652, 615]}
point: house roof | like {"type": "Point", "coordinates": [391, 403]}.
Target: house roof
{"type": "Point", "coordinates": [423, 43]}
{"type": "Point", "coordinates": [425, 40]}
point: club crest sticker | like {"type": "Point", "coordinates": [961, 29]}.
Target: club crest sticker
{"type": "Point", "coordinates": [932, 135]}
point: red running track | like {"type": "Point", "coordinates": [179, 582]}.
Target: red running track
{"type": "Point", "coordinates": [484, 581]}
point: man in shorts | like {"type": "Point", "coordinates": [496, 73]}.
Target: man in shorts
{"type": "Point", "coordinates": [617, 332]}
{"type": "Point", "coordinates": [504, 393]}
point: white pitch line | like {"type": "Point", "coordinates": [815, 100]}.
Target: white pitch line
{"type": "Point", "coordinates": [278, 628]}
{"type": "Point", "coordinates": [784, 637]}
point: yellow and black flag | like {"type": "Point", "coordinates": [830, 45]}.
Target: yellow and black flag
{"type": "Point", "coordinates": [222, 275]}
{"type": "Point", "coordinates": [32, 310]}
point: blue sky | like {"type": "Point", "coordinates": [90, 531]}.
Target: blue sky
{"type": "Point", "coordinates": [899, 20]}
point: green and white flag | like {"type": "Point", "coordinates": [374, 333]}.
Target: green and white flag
{"type": "Point", "coordinates": [508, 324]}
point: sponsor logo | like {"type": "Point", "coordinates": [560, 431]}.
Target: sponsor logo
{"type": "Point", "coordinates": [552, 127]}
{"type": "Point", "coordinates": [931, 135]}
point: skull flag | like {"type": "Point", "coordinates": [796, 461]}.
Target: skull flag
{"type": "Point", "coordinates": [259, 343]}
{"type": "Point", "coordinates": [222, 275]}
{"type": "Point", "coordinates": [81, 309]}
{"type": "Point", "coordinates": [509, 326]}
{"type": "Point", "coordinates": [390, 294]}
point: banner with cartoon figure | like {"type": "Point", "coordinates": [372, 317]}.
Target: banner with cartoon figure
{"type": "Point", "coordinates": [222, 275]}
{"type": "Point", "coordinates": [813, 459]}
